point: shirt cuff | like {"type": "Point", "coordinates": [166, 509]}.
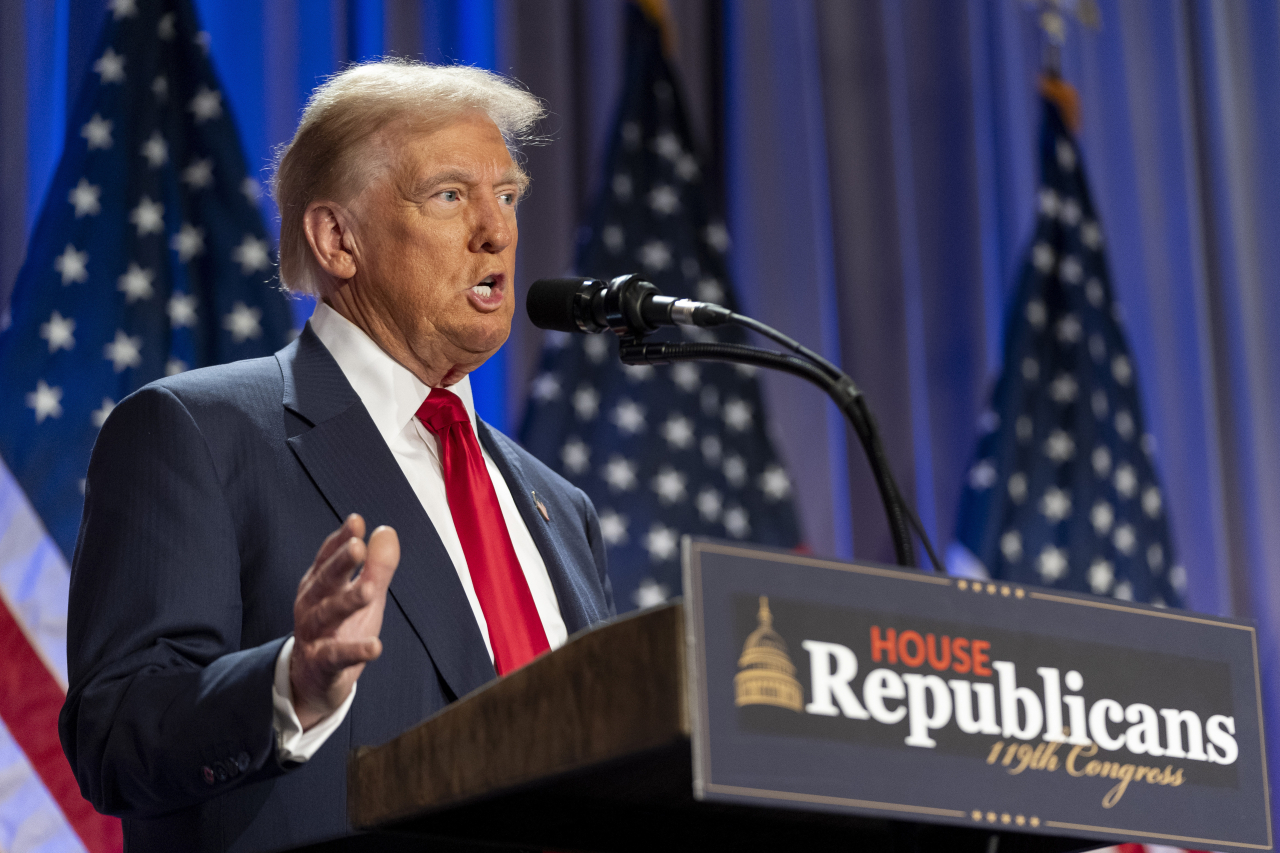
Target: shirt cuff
{"type": "Point", "coordinates": [295, 745]}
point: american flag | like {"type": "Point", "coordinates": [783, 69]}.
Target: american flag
{"type": "Point", "coordinates": [669, 450]}
{"type": "Point", "coordinates": [149, 258]}
{"type": "Point", "coordinates": [1063, 490]}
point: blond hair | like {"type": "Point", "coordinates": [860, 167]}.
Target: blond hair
{"type": "Point", "coordinates": [329, 157]}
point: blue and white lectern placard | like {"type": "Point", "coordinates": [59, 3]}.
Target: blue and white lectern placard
{"type": "Point", "coordinates": [862, 688]}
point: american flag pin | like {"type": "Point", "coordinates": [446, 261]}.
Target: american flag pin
{"type": "Point", "coordinates": [542, 508]}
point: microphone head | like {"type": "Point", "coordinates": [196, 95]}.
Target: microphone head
{"type": "Point", "coordinates": [550, 302]}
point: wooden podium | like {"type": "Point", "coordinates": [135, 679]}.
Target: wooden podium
{"type": "Point", "coordinates": [588, 748]}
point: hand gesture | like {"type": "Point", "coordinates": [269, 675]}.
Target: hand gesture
{"type": "Point", "coordinates": [337, 617]}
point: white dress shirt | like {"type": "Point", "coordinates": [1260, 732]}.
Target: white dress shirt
{"type": "Point", "coordinates": [392, 395]}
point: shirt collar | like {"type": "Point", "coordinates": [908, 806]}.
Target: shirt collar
{"type": "Point", "coordinates": [389, 391]}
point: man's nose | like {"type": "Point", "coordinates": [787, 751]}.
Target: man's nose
{"type": "Point", "coordinates": [494, 227]}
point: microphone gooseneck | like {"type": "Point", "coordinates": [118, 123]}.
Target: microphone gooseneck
{"type": "Point", "coordinates": [631, 307]}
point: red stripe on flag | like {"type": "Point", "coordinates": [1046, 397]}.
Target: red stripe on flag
{"type": "Point", "coordinates": [30, 699]}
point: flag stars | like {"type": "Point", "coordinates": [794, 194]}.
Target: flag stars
{"type": "Point", "coordinates": [982, 475]}
{"type": "Point", "coordinates": [1070, 270]}
{"type": "Point", "coordinates": [165, 27]}
{"type": "Point", "coordinates": [1155, 558]}
{"type": "Point", "coordinates": [148, 217]}
{"type": "Point", "coordinates": [628, 416]}
{"type": "Point", "coordinates": [1091, 235]}
{"type": "Point", "coordinates": [737, 522]}
{"type": "Point", "coordinates": [622, 186]}
{"type": "Point", "coordinates": [650, 593]}
{"type": "Point", "coordinates": [135, 284]}
{"type": "Point", "coordinates": [1017, 487]}
{"type": "Point", "coordinates": [86, 198]}
{"type": "Point", "coordinates": [110, 67]}
{"type": "Point", "coordinates": [613, 527]}
{"type": "Point", "coordinates": [123, 8]}
{"type": "Point", "coordinates": [206, 105]}
{"type": "Point", "coordinates": [59, 332]}
{"type": "Point", "coordinates": [596, 347]}
{"type": "Point", "coordinates": [667, 144]}
{"type": "Point", "coordinates": [1069, 213]}
{"type": "Point", "coordinates": [655, 256]}
{"type": "Point", "coordinates": [661, 542]}
{"type": "Point", "coordinates": [710, 290]}
{"type": "Point", "coordinates": [1011, 546]}
{"type": "Point", "coordinates": [98, 416]}
{"type": "Point", "coordinates": [1151, 502]}
{"type": "Point", "coordinates": [1069, 329]}
{"type": "Point", "coordinates": [775, 483]}
{"type": "Point", "coordinates": [1037, 313]}
{"type": "Point", "coordinates": [1059, 446]}
{"type": "Point", "coordinates": [1126, 481]}
{"type": "Point", "coordinates": [155, 150]}
{"type": "Point", "coordinates": [97, 131]}
{"type": "Point", "coordinates": [1102, 516]}
{"type": "Point", "coordinates": [1124, 424]}
{"type": "Point", "coordinates": [717, 237]}
{"type": "Point", "coordinates": [737, 414]}
{"type": "Point", "coordinates": [123, 352]}
{"type": "Point", "coordinates": [188, 242]}
{"type": "Point", "coordinates": [735, 470]}
{"type": "Point", "coordinates": [1125, 539]}
{"type": "Point", "coordinates": [1098, 402]}
{"type": "Point", "coordinates": [160, 88]}
{"type": "Point", "coordinates": [1063, 389]}
{"type": "Point", "coordinates": [678, 432]}
{"type": "Point", "coordinates": [620, 473]}
{"type": "Point", "coordinates": [586, 403]}
{"type": "Point", "coordinates": [46, 400]}
{"type": "Point", "coordinates": [1101, 459]}
{"type": "Point", "coordinates": [174, 366]}
{"type": "Point", "coordinates": [1055, 505]}
{"type": "Point", "coordinates": [1065, 153]}
{"type": "Point", "coordinates": [686, 376]}
{"type": "Point", "coordinates": [251, 188]}
{"type": "Point", "coordinates": [243, 322]}
{"type": "Point", "coordinates": [1122, 369]}
{"type": "Point", "coordinates": [669, 485]}
{"type": "Point", "coordinates": [545, 387]}
{"type": "Point", "coordinates": [1094, 293]}
{"type": "Point", "coordinates": [1030, 369]}
{"type": "Point", "coordinates": [615, 239]}
{"type": "Point", "coordinates": [1051, 564]}
{"type": "Point", "coordinates": [1101, 576]}
{"type": "Point", "coordinates": [199, 173]}
{"type": "Point", "coordinates": [575, 455]}
{"type": "Point", "coordinates": [252, 255]}
{"type": "Point", "coordinates": [686, 167]}
{"type": "Point", "coordinates": [664, 200]}
{"type": "Point", "coordinates": [72, 265]}
{"type": "Point", "coordinates": [182, 310]}
{"type": "Point", "coordinates": [1042, 257]}
{"type": "Point", "coordinates": [1124, 592]}
{"type": "Point", "coordinates": [709, 503]}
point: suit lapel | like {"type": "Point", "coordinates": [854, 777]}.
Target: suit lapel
{"type": "Point", "coordinates": [353, 468]}
{"type": "Point", "coordinates": [547, 535]}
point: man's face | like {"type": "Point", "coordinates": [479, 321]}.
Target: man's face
{"type": "Point", "coordinates": [435, 245]}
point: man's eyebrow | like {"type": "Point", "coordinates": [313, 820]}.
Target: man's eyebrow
{"type": "Point", "coordinates": [514, 175]}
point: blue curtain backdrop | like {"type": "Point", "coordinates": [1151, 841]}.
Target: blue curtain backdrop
{"type": "Point", "coordinates": [878, 164]}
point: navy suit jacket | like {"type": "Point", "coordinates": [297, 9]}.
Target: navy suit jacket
{"type": "Point", "coordinates": [207, 497]}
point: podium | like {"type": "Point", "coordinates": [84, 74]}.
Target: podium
{"type": "Point", "coordinates": [684, 727]}
{"type": "Point", "coordinates": [588, 748]}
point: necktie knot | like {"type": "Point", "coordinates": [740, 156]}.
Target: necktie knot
{"type": "Point", "coordinates": [441, 410]}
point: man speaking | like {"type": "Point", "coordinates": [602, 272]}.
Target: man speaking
{"type": "Point", "coordinates": [216, 681]}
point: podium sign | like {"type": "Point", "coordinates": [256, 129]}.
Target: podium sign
{"type": "Point", "coordinates": [877, 691]}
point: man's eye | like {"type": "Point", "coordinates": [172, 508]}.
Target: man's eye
{"type": "Point", "coordinates": [507, 198]}
{"type": "Point", "coordinates": [450, 195]}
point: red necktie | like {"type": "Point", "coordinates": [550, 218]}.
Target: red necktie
{"type": "Point", "coordinates": [515, 629]}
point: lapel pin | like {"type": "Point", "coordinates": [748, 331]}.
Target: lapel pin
{"type": "Point", "coordinates": [542, 508]}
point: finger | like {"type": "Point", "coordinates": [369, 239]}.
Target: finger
{"type": "Point", "coordinates": [334, 655]}
{"type": "Point", "coordinates": [328, 614]}
{"type": "Point", "coordinates": [328, 578]}
{"type": "Point", "coordinates": [352, 526]}
{"type": "Point", "coordinates": [382, 557]}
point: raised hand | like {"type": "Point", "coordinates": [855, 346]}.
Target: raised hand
{"type": "Point", "coordinates": [337, 617]}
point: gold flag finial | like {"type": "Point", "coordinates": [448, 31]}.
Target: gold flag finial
{"type": "Point", "coordinates": [766, 618]}
{"type": "Point", "coordinates": [659, 13]}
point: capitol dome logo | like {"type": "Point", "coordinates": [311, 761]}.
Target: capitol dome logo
{"type": "Point", "coordinates": [766, 675]}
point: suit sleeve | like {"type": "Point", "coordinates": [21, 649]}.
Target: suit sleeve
{"type": "Point", "coordinates": [164, 709]}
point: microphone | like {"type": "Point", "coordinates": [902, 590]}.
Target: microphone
{"type": "Point", "coordinates": [628, 305]}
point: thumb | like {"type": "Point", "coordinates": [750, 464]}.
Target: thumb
{"type": "Point", "coordinates": [383, 556]}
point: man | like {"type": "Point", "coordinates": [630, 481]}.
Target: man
{"type": "Point", "coordinates": [216, 682]}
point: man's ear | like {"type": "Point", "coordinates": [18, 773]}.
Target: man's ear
{"type": "Point", "coordinates": [327, 226]}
